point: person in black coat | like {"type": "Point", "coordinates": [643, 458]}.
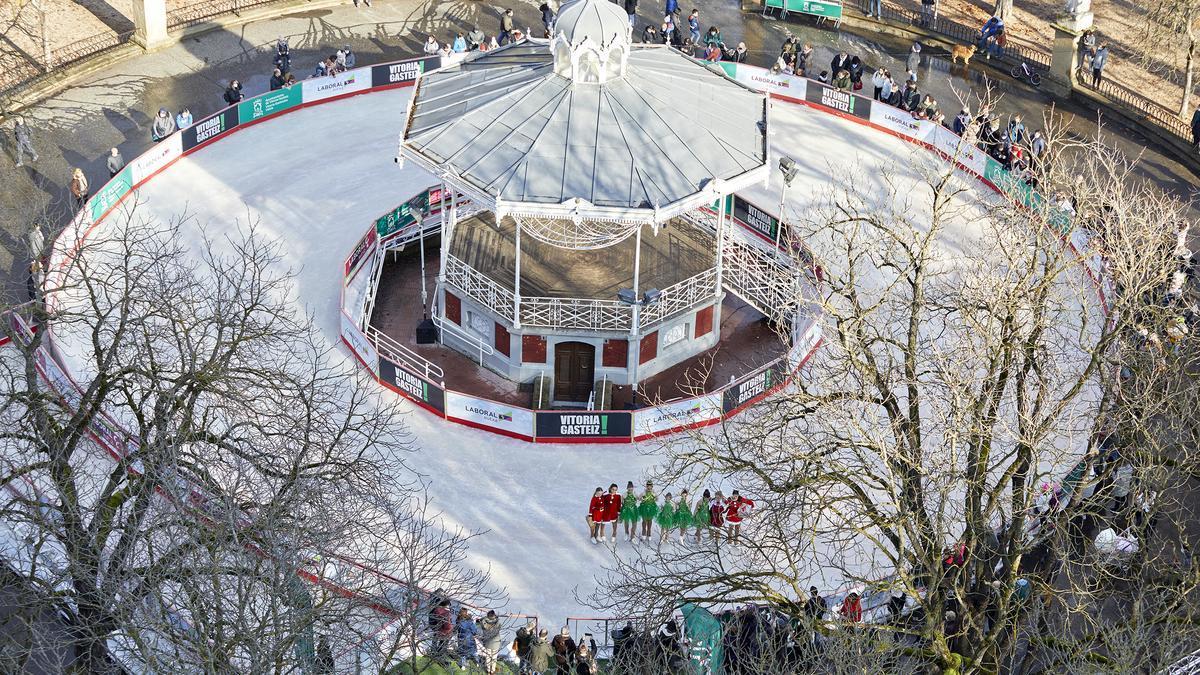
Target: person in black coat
{"type": "Point", "coordinates": [856, 72]}
{"type": "Point", "coordinates": [276, 80]}
{"type": "Point", "coordinates": [840, 62]}
{"type": "Point", "coordinates": [631, 10]}
{"type": "Point", "coordinates": [911, 98]}
{"type": "Point", "coordinates": [233, 94]}
{"type": "Point", "coordinates": [1196, 128]}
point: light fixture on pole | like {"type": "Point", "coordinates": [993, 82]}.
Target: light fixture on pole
{"type": "Point", "coordinates": [789, 169]}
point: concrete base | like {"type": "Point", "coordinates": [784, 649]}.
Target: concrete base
{"type": "Point", "coordinates": [150, 24]}
{"type": "Point", "coordinates": [1064, 60]}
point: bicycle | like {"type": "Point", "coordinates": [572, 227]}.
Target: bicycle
{"type": "Point", "coordinates": [1024, 71]}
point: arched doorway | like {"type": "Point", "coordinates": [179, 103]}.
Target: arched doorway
{"type": "Point", "coordinates": [574, 371]}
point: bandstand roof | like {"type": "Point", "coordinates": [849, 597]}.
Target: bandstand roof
{"type": "Point", "coordinates": [503, 126]}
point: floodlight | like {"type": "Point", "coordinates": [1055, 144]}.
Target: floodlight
{"type": "Point", "coordinates": [651, 296]}
{"type": "Point", "coordinates": [789, 169]}
{"type": "Point", "coordinates": [627, 296]}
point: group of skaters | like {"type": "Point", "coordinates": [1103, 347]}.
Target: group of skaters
{"type": "Point", "coordinates": [638, 513]}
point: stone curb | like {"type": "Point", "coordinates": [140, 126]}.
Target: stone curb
{"type": "Point", "coordinates": [60, 80]}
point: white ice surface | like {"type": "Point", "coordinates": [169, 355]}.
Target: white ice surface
{"type": "Point", "coordinates": [316, 178]}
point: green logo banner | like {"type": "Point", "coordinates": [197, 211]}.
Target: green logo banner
{"type": "Point", "coordinates": [407, 213]}
{"type": "Point", "coordinates": [112, 192]}
{"type": "Point", "coordinates": [268, 104]}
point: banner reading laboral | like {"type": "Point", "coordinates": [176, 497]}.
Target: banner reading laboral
{"type": "Point", "coordinates": [584, 425]}
{"type": "Point", "coordinates": [318, 88]}
{"type": "Point", "coordinates": [269, 103]}
{"type": "Point", "coordinates": [761, 79]}
{"type": "Point", "coordinates": [158, 156]}
{"type": "Point", "coordinates": [953, 147]}
{"type": "Point", "coordinates": [675, 415]}
{"type": "Point", "coordinates": [895, 120]}
{"type": "Point", "coordinates": [360, 344]}
{"type": "Point", "coordinates": [839, 101]}
{"type": "Point", "coordinates": [506, 419]}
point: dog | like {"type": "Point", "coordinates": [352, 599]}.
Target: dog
{"type": "Point", "coordinates": [964, 52]}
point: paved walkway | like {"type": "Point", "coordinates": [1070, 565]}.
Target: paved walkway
{"type": "Point", "coordinates": [115, 107]}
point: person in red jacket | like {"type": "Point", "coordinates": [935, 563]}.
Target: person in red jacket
{"type": "Point", "coordinates": [716, 515]}
{"type": "Point", "coordinates": [851, 608]}
{"type": "Point", "coordinates": [737, 508]}
{"type": "Point", "coordinates": [595, 516]}
{"type": "Point", "coordinates": [612, 509]}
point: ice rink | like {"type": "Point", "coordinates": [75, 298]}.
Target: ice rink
{"type": "Point", "coordinates": [316, 178]}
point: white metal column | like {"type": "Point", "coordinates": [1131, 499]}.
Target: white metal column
{"type": "Point", "coordinates": [635, 344]}
{"type": "Point", "coordinates": [517, 280]}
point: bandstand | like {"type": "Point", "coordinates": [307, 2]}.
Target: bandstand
{"type": "Point", "coordinates": [584, 183]}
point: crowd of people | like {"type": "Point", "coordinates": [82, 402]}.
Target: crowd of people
{"type": "Point", "coordinates": [638, 513]}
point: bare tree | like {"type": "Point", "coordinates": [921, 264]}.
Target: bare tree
{"type": "Point", "coordinates": [969, 365]}
{"type": "Point", "coordinates": [1166, 43]}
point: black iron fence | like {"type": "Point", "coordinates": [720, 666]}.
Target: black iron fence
{"type": "Point", "coordinates": [26, 69]}
{"type": "Point", "coordinates": [198, 12]}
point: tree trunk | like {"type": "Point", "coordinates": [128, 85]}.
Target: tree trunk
{"type": "Point", "coordinates": [1188, 73]}
{"type": "Point", "coordinates": [1003, 9]}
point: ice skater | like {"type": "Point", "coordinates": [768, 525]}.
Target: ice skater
{"type": "Point", "coordinates": [665, 517]}
{"type": "Point", "coordinates": [629, 512]}
{"type": "Point", "coordinates": [683, 514]}
{"type": "Point", "coordinates": [648, 508]}
{"type": "Point", "coordinates": [737, 509]}
{"type": "Point", "coordinates": [716, 515]}
{"type": "Point", "coordinates": [700, 515]}
{"type": "Point", "coordinates": [595, 514]}
{"type": "Point", "coordinates": [612, 510]}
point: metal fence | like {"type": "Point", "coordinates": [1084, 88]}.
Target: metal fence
{"type": "Point", "coordinates": [198, 12]}
{"type": "Point", "coordinates": [17, 75]}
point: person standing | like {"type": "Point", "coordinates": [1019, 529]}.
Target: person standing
{"type": "Point", "coordinates": [631, 10]}
{"type": "Point", "coordinates": [683, 514]}
{"type": "Point", "coordinates": [548, 16]}
{"type": "Point", "coordinates": [929, 12]}
{"type": "Point", "coordinates": [737, 510]}
{"type": "Point", "coordinates": [467, 634]}
{"type": "Point", "coordinates": [1098, 62]}
{"type": "Point", "coordinates": [79, 188]}
{"type": "Point", "coordinates": [612, 510]}
{"type": "Point", "coordinates": [665, 517]}
{"type": "Point", "coordinates": [459, 45]}
{"type": "Point", "coordinates": [233, 93]}
{"type": "Point", "coordinates": [1196, 128]}
{"type": "Point", "coordinates": [648, 508]}
{"type": "Point", "coordinates": [564, 652]}
{"type": "Point", "coordinates": [475, 38]}
{"type": "Point", "coordinates": [851, 609]}
{"type": "Point", "coordinates": [700, 515]}
{"type": "Point", "coordinates": [365, 2]}
{"type": "Point", "coordinates": [739, 53]}
{"type": "Point", "coordinates": [595, 514]}
{"type": "Point", "coordinates": [184, 119]}
{"type": "Point", "coordinates": [163, 125]}
{"type": "Point", "coordinates": [672, 8]}
{"type": "Point", "coordinates": [283, 57]}
{"type": "Point", "coordinates": [879, 79]}
{"type": "Point", "coordinates": [540, 653]}
{"type": "Point", "coordinates": [324, 664]}
{"type": "Point", "coordinates": [351, 59]}
{"type": "Point", "coordinates": [276, 80]}
{"type": "Point", "coordinates": [585, 663]}
{"type": "Point", "coordinates": [489, 636]}
{"type": "Point", "coordinates": [24, 139]}
{"type": "Point", "coordinates": [431, 46]}
{"type": "Point", "coordinates": [115, 162]}
{"type": "Point", "coordinates": [716, 515]}
{"type": "Point", "coordinates": [694, 26]}
{"type": "Point", "coordinates": [839, 63]}
{"type": "Point", "coordinates": [522, 644]}
{"type": "Point", "coordinates": [443, 627]}
{"type": "Point", "coordinates": [914, 58]}
{"type": "Point", "coordinates": [815, 606]}
{"type": "Point", "coordinates": [629, 511]}
{"type": "Point", "coordinates": [506, 27]}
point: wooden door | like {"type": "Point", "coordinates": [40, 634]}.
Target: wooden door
{"type": "Point", "coordinates": [574, 371]}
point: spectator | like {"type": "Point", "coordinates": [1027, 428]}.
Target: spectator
{"type": "Point", "coordinates": [432, 47]}
{"type": "Point", "coordinates": [739, 54]}
{"type": "Point", "coordinates": [115, 162]}
{"type": "Point", "coordinates": [540, 653]}
{"type": "Point", "coordinates": [1196, 128]}
{"type": "Point", "coordinates": [1122, 484]}
{"type": "Point", "coordinates": [875, 8]}
{"type": "Point", "coordinates": [927, 109]}
{"type": "Point", "coordinates": [331, 65]}
{"type": "Point", "coordinates": [928, 13]}
{"type": "Point", "coordinates": [585, 663]}
{"type": "Point", "coordinates": [324, 664]}
{"type": "Point", "coordinates": [489, 635]}
{"type": "Point", "coordinates": [996, 46]}
{"type": "Point", "coordinates": [233, 93]}
{"type": "Point", "coordinates": [1016, 130]}
{"type": "Point", "coordinates": [962, 122]}
{"type": "Point", "coordinates": [650, 36]}
{"type": "Point", "coordinates": [351, 59]}
{"type": "Point", "coordinates": [693, 23]}
{"type": "Point", "coordinates": [289, 80]}
{"type": "Point", "coordinates": [851, 609]}
{"type": "Point", "coordinates": [283, 57]}
{"type": "Point", "coordinates": [896, 605]}
{"type": "Point", "coordinates": [460, 44]}
{"type": "Point", "coordinates": [339, 60]}
{"type": "Point", "coordinates": [823, 77]}
{"type": "Point", "coordinates": [24, 139]}
{"type": "Point", "coordinates": [184, 119]}
{"type": "Point", "coordinates": [163, 125]}
{"type": "Point", "coordinates": [506, 27]}
{"type": "Point", "coordinates": [467, 634]}
{"type": "Point", "coordinates": [442, 626]}
{"type": "Point", "coordinates": [803, 59]}
{"type": "Point", "coordinates": [911, 98]}
{"type": "Point", "coordinates": [879, 79]}
{"type": "Point", "coordinates": [840, 62]}
{"type": "Point", "coordinates": [79, 187]}
{"type": "Point", "coordinates": [475, 38]}
{"type": "Point", "coordinates": [631, 10]}
{"type": "Point", "coordinates": [815, 606]}
{"type": "Point", "coordinates": [445, 52]}
{"type": "Point", "coordinates": [276, 80]}
{"type": "Point", "coordinates": [856, 73]}
{"type": "Point", "coordinates": [667, 31]}
{"type": "Point", "coordinates": [564, 652]}
{"type": "Point", "coordinates": [1087, 49]}
{"type": "Point", "coordinates": [914, 58]}
{"type": "Point", "coordinates": [547, 17]}
{"type": "Point", "coordinates": [1037, 148]}
{"type": "Point", "coordinates": [321, 70]}
{"type": "Point", "coordinates": [994, 25]}
{"type": "Point", "coordinates": [522, 644]}
{"type": "Point", "coordinates": [1098, 62]}
{"type": "Point", "coordinates": [713, 38]}
{"type": "Point", "coordinates": [365, 2]}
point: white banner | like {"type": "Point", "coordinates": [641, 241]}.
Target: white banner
{"type": "Point", "coordinates": [159, 155]}
{"type": "Point", "coordinates": [762, 80]}
{"type": "Point", "coordinates": [968, 155]}
{"type": "Point", "coordinates": [668, 416]}
{"type": "Point", "coordinates": [359, 344]}
{"type": "Point", "coordinates": [803, 343]}
{"type": "Point", "coordinates": [505, 418]}
{"type": "Point", "coordinates": [895, 120]}
{"type": "Point", "coordinates": [318, 88]}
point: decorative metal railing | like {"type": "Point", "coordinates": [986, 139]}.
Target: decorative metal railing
{"type": "Point", "coordinates": [192, 13]}
{"type": "Point", "coordinates": [392, 350]}
{"type": "Point", "coordinates": [761, 279]}
{"type": "Point", "coordinates": [478, 286]}
{"type": "Point", "coordinates": [576, 313]}
{"type": "Point", "coordinates": [681, 297]}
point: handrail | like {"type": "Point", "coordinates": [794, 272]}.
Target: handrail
{"type": "Point", "coordinates": [403, 355]}
{"type": "Point", "coordinates": [455, 330]}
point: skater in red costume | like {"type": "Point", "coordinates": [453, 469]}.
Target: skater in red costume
{"type": "Point", "coordinates": [612, 509]}
{"type": "Point", "coordinates": [737, 508]}
{"type": "Point", "coordinates": [716, 515]}
{"type": "Point", "coordinates": [595, 516]}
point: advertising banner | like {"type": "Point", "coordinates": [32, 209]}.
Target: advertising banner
{"type": "Point", "coordinates": [209, 128]}
{"type": "Point", "coordinates": [159, 155]}
{"type": "Point", "coordinates": [405, 71]}
{"type": "Point", "coordinates": [677, 414]}
{"type": "Point", "coordinates": [269, 103]}
{"type": "Point", "coordinates": [506, 419]}
{"type": "Point", "coordinates": [948, 143]}
{"type": "Point", "coordinates": [359, 343]}
{"type": "Point", "coordinates": [118, 186]}
{"type": "Point", "coordinates": [804, 338]}
{"type": "Point", "coordinates": [348, 82]}
{"type": "Point", "coordinates": [360, 253]}
{"type": "Point", "coordinates": [755, 219]}
{"type": "Point", "coordinates": [839, 101]}
{"type": "Point", "coordinates": [747, 389]}
{"type": "Point", "coordinates": [407, 213]}
{"type": "Point", "coordinates": [895, 120]}
{"type": "Point", "coordinates": [825, 8]}
{"type": "Point", "coordinates": [412, 386]}
{"type": "Point", "coordinates": [584, 425]}
{"type": "Point", "coordinates": [761, 79]}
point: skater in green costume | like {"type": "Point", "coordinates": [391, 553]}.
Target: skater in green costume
{"type": "Point", "coordinates": [629, 512]}
{"type": "Point", "coordinates": [700, 515]}
{"type": "Point", "coordinates": [666, 517]}
{"type": "Point", "coordinates": [683, 515]}
{"type": "Point", "coordinates": [648, 508]}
